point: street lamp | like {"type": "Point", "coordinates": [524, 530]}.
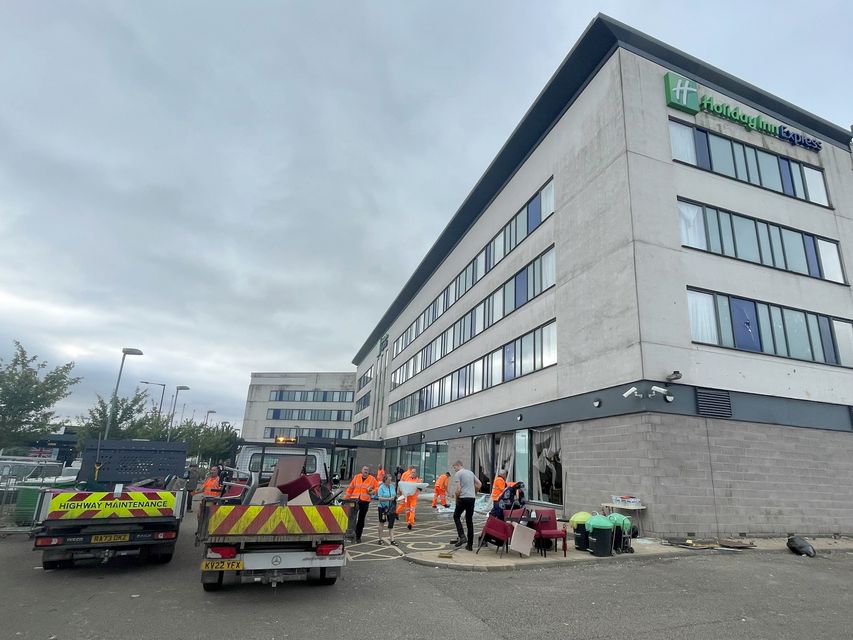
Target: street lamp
{"type": "Point", "coordinates": [208, 415]}
{"type": "Point", "coordinates": [178, 389]}
{"type": "Point", "coordinates": [162, 393]}
{"type": "Point", "coordinates": [127, 351]}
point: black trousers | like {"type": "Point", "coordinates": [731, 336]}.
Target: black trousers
{"type": "Point", "coordinates": [466, 505]}
{"type": "Point", "coordinates": [363, 506]}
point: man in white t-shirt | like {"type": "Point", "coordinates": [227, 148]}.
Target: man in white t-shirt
{"type": "Point", "coordinates": [466, 487]}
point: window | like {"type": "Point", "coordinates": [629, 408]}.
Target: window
{"type": "Point", "coordinates": [547, 199]}
{"type": "Point", "coordinates": [746, 238]}
{"type": "Point", "coordinates": [760, 242]}
{"type": "Point", "coordinates": [271, 459]}
{"type": "Point", "coordinates": [363, 402]}
{"type": "Point", "coordinates": [844, 339]}
{"type": "Point", "coordinates": [360, 427]}
{"type": "Point", "coordinates": [795, 253]}
{"type": "Point", "coordinates": [745, 321]}
{"type": "Point", "coordinates": [531, 352]}
{"type": "Point", "coordinates": [749, 164]}
{"type": "Point", "coordinates": [538, 208]}
{"type": "Point", "coordinates": [815, 185]}
{"type": "Point", "coordinates": [692, 225]}
{"type": "Point", "coordinates": [722, 160]}
{"type": "Point", "coordinates": [757, 326]}
{"type": "Point", "coordinates": [703, 319]}
{"type": "Point", "coordinates": [311, 396]}
{"type": "Point", "coordinates": [365, 379]}
{"type": "Point", "coordinates": [681, 139]}
{"type": "Point", "coordinates": [829, 260]}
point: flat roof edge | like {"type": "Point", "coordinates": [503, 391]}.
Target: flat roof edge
{"type": "Point", "coordinates": [583, 62]}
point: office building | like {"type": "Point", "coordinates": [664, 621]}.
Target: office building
{"type": "Point", "coordinates": [299, 404]}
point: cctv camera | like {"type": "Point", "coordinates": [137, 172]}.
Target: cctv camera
{"type": "Point", "coordinates": [659, 390]}
{"type": "Point", "coordinates": [630, 392]}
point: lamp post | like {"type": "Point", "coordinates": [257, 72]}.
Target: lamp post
{"type": "Point", "coordinates": [127, 351]}
{"type": "Point", "coordinates": [209, 411]}
{"type": "Point", "coordinates": [178, 389]}
{"type": "Point", "coordinates": [162, 394]}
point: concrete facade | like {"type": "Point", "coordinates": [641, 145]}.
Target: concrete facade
{"type": "Point", "coordinates": [620, 303]}
{"type": "Point", "coordinates": [258, 403]}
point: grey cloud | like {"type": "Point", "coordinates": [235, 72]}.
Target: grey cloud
{"type": "Point", "coordinates": [238, 187]}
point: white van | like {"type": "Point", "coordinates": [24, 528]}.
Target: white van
{"type": "Point", "coordinates": [249, 459]}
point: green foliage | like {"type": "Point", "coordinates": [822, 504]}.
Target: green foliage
{"type": "Point", "coordinates": [28, 393]}
{"type": "Point", "coordinates": [136, 420]}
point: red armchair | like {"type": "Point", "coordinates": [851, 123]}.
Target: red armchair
{"type": "Point", "coordinates": [546, 530]}
{"type": "Point", "coordinates": [496, 529]}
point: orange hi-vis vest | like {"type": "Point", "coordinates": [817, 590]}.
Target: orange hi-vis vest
{"type": "Point", "coordinates": [441, 483]}
{"type": "Point", "coordinates": [211, 486]}
{"type": "Point", "coordinates": [358, 487]}
{"type": "Point", "coordinates": [409, 476]}
{"type": "Point", "coordinates": [380, 475]}
{"type": "Point", "coordinates": [498, 487]}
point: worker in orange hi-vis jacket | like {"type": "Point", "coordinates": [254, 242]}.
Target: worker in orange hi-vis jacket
{"type": "Point", "coordinates": [410, 503]}
{"type": "Point", "coordinates": [440, 490]}
{"type": "Point", "coordinates": [380, 473]}
{"type": "Point", "coordinates": [498, 487]}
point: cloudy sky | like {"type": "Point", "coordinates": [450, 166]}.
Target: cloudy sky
{"type": "Point", "coordinates": [245, 186]}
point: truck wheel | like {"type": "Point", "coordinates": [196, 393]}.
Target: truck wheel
{"type": "Point", "coordinates": [164, 557]}
{"type": "Point", "coordinates": [325, 580]}
{"type": "Point", "coordinates": [213, 586]}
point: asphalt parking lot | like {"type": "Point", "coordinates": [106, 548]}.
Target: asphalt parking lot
{"type": "Point", "coordinates": [749, 595]}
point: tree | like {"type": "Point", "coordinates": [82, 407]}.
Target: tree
{"type": "Point", "coordinates": [131, 420]}
{"type": "Point", "coordinates": [28, 393]}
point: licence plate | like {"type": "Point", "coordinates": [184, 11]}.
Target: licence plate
{"type": "Point", "coordinates": [113, 537]}
{"type": "Point", "coordinates": [222, 565]}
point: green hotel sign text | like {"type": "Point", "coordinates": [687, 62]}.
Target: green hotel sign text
{"type": "Point", "coordinates": [683, 94]}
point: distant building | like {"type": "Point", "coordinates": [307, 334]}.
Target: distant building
{"type": "Point", "coordinates": [645, 293]}
{"type": "Point", "coordinates": [293, 404]}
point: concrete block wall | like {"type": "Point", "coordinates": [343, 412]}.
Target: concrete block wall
{"type": "Point", "coordinates": [708, 477]}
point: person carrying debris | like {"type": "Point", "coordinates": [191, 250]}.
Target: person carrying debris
{"type": "Point", "coordinates": [411, 502]}
{"type": "Point", "coordinates": [440, 490]}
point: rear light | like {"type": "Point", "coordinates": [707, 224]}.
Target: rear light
{"type": "Point", "coordinates": [330, 549]}
{"type": "Point", "coordinates": [49, 542]}
{"type": "Point", "coordinates": [222, 552]}
{"type": "Point", "coordinates": [165, 535]}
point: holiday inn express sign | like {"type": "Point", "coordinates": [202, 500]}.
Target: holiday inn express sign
{"type": "Point", "coordinates": [683, 94]}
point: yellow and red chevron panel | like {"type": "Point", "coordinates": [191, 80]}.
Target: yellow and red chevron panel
{"type": "Point", "coordinates": [239, 520]}
{"type": "Point", "coordinates": [97, 505]}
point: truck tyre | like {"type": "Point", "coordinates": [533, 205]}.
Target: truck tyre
{"type": "Point", "coordinates": [325, 580]}
{"type": "Point", "coordinates": [213, 586]}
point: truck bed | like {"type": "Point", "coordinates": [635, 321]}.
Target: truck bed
{"type": "Point", "coordinates": [272, 523]}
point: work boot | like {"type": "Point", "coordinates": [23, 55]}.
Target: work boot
{"type": "Point", "coordinates": [409, 526]}
{"type": "Point", "coordinates": [469, 547]}
{"type": "Point", "coordinates": [458, 543]}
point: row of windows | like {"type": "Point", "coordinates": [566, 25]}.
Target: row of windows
{"type": "Point", "coordinates": [531, 352]}
{"type": "Point", "coordinates": [309, 414]}
{"type": "Point", "coordinates": [743, 162]}
{"type": "Point", "coordinates": [363, 402]}
{"type": "Point", "coordinates": [365, 379]}
{"type": "Point", "coordinates": [522, 224]}
{"type": "Point", "coordinates": [360, 426]}
{"type": "Point", "coordinates": [292, 432]}
{"type": "Point", "coordinates": [311, 396]}
{"type": "Point", "coordinates": [525, 285]}
{"type": "Point", "coordinates": [738, 323]}
{"type": "Point", "coordinates": [738, 236]}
